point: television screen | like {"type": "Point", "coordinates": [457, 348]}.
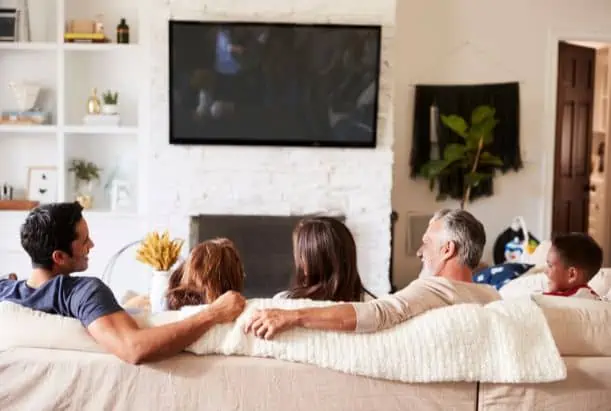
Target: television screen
{"type": "Point", "coordinates": [273, 84]}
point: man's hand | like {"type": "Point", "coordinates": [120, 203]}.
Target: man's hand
{"type": "Point", "coordinates": [267, 323]}
{"type": "Point", "coordinates": [119, 334]}
{"type": "Point", "coordinates": [228, 307]}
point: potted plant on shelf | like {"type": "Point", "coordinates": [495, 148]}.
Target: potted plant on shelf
{"type": "Point", "coordinates": [160, 253]}
{"type": "Point", "coordinates": [86, 173]}
{"type": "Point", "coordinates": [110, 103]}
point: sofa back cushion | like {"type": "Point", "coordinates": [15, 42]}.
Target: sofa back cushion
{"type": "Point", "coordinates": [601, 283]}
{"type": "Point", "coordinates": [534, 281]}
{"type": "Point", "coordinates": [579, 326]}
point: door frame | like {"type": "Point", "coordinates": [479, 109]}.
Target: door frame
{"type": "Point", "coordinates": [555, 36]}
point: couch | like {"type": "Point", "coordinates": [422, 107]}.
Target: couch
{"type": "Point", "coordinates": [36, 379]}
{"type": "Point", "coordinates": [48, 379]}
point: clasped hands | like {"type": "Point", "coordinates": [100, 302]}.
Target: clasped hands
{"type": "Point", "coordinates": [263, 323]}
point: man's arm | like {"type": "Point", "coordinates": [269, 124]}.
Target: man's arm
{"type": "Point", "coordinates": [369, 316]}
{"type": "Point", "coordinates": [267, 323]}
{"type": "Point", "coordinates": [119, 334]}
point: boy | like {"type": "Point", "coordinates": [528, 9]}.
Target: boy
{"type": "Point", "coordinates": [572, 261]}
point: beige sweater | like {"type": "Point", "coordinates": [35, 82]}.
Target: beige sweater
{"type": "Point", "coordinates": [421, 295]}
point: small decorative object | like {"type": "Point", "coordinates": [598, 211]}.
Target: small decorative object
{"type": "Point", "coordinates": [24, 21]}
{"type": "Point", "coordinates": [120, 198]}
{"type": "Point", "coordinates": [85, 174]}
{"type": "Point", "coordinates": [93, 102]}
{"type": "Point", "coordinates": [42, 184]}
{"type": "Point", "coordinates": [6, 192]}
{"type": "Point", "coordinates": [161, 253]}
{"type": "Point", "coordinates": [122, 32]}
{"type": "Point", "coordinates": [99, 24]}
{"type": "Point", "coordinates": [8, 24]}
{"type": "Point", "coordinates": [466, 157]}
{"type": "Point", "coordinates": [110, 103]}
{"type": "Point", "coordinates": [26, 95]}
{"type": "Point", "coordinates": [85, 30]}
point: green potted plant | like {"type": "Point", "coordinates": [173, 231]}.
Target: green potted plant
{"type": "Point", "coordinates": [464, 159]}
{"type": "Point", "coordinates": [86, 173]}
{"type": "Point", "coordinates": [110, 102]}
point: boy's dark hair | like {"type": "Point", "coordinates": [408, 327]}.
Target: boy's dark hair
{"type": "Point", "coordinates": [579, 250]}
{"type": "Point", "coordinates": [49, 228]}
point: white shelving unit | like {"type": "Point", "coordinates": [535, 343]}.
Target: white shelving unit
{"type": "Point", "coordinates": [68, 72]}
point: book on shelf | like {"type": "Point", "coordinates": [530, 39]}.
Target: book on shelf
{"type": "Point", "coordinates": [32, 117]}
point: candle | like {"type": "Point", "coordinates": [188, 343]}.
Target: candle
{"type": "Point", "coordinates": [434, 153]}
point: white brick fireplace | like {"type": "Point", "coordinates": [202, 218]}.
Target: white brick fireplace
{"type": "Point", "coordinates": [187, 181]}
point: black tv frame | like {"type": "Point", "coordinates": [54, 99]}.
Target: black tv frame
{"type": "Point", "coordinates": [176, 140]}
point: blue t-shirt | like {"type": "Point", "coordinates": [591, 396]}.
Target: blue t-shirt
{"type": "Point", "coordinates": [84, 298]}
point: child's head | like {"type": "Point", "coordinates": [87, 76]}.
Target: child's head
{"type": "Point", "coordinates": [212, 268]}
{"type": "Point", "coordinates": [572, 261]}
{"type": "Point", "coordinates": [325, 261]}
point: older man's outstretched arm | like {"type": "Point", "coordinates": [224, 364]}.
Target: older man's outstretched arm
{"type": "Point", "coordinates": [369, 316]}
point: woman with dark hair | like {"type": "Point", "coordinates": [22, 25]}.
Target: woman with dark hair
{"type": "Point", "coordinates": [212, 268]}
{"type": "Point", "coordinates": [325, 262]}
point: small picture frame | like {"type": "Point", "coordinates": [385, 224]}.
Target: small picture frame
{"type": "Point", "coordinates": [42, 184]}
{"type": "Point", "coordinates": [120, 195]}
{"type": "Point", "coordinates": [9, 26]}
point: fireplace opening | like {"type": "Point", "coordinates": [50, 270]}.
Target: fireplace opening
{"type": "Point", "coordinates": [264, 243]}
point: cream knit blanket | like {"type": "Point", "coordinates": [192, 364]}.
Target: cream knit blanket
{"type": "Point", "coordinates": [504, 342]}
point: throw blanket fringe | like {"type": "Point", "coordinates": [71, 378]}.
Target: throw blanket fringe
{"type": "Point", "coordinates": [504, 342]}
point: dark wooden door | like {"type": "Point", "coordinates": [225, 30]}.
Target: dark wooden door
{"type": "Point", "coordinates": [574, 104]}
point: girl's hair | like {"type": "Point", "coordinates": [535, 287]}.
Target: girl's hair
{"type": "Point", "coordinates": [325, 261]}
{"type": "Point", "coordinates": [212, 268]}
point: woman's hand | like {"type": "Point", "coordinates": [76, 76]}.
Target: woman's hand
{"type": "Point", "coordinates": [267, 323]}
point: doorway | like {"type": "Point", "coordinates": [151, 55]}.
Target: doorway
{"type": "Point", "coordinates": [581, 197]}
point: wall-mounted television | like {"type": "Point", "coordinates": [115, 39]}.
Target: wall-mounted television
{"type": "Point", "coordinates": [238, 83]}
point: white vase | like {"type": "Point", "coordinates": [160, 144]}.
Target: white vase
{"type": "Point", "coordinates": [110, 109]}
{"type": "Point", "coordinates": [159, 288]}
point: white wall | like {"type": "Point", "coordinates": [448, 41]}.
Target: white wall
{"type": "Point", "coordinates": [478, 41]}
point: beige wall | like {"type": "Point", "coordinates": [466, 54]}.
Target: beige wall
{"type": "Point", "coordinates": [478, 41]}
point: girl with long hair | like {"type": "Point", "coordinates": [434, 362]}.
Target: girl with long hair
{"type": "Point", "coordinates": [325, 262]}
{"type": "Point", "coordinates": [212, 268]}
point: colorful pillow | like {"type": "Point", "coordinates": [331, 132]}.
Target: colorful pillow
{"type": "Point", "coordinates": [499, 275]}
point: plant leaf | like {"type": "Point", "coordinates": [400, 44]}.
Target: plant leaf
{"type": "Point", "coordinates": [490, 160]}
{"type": "Point", "coordinates": [454, 152]}
{"type": "Point", "coordinates": [472, 142]}
{"type": "Point", "coordinates": [474, 179]}
{"type": "Point", "coordinates": [481, 113]}
{"type": "Point", "coordinates": [433, 168]}
{"type": "Point", "coordinates": [456, 123]}
{"type": "Point", "coordinates": [485, 129]}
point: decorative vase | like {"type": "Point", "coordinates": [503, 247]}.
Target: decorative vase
{"type": "Point", "coordinates": [110, 109]}
{"type": "Point", "coordinates": [84, 193]}
{"type": "Point", "coordinates": [93, 103]}
{"type": "Point", "coordinates": [160, 281]}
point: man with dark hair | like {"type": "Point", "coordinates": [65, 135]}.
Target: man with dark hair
{"type": "Point", "coordinates": [56, 237]}
{"type": "Point", "coordinates": [572, 261]}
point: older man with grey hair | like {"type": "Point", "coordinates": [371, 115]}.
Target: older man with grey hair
{"type": "Point", "coordinates": [452, 247]}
